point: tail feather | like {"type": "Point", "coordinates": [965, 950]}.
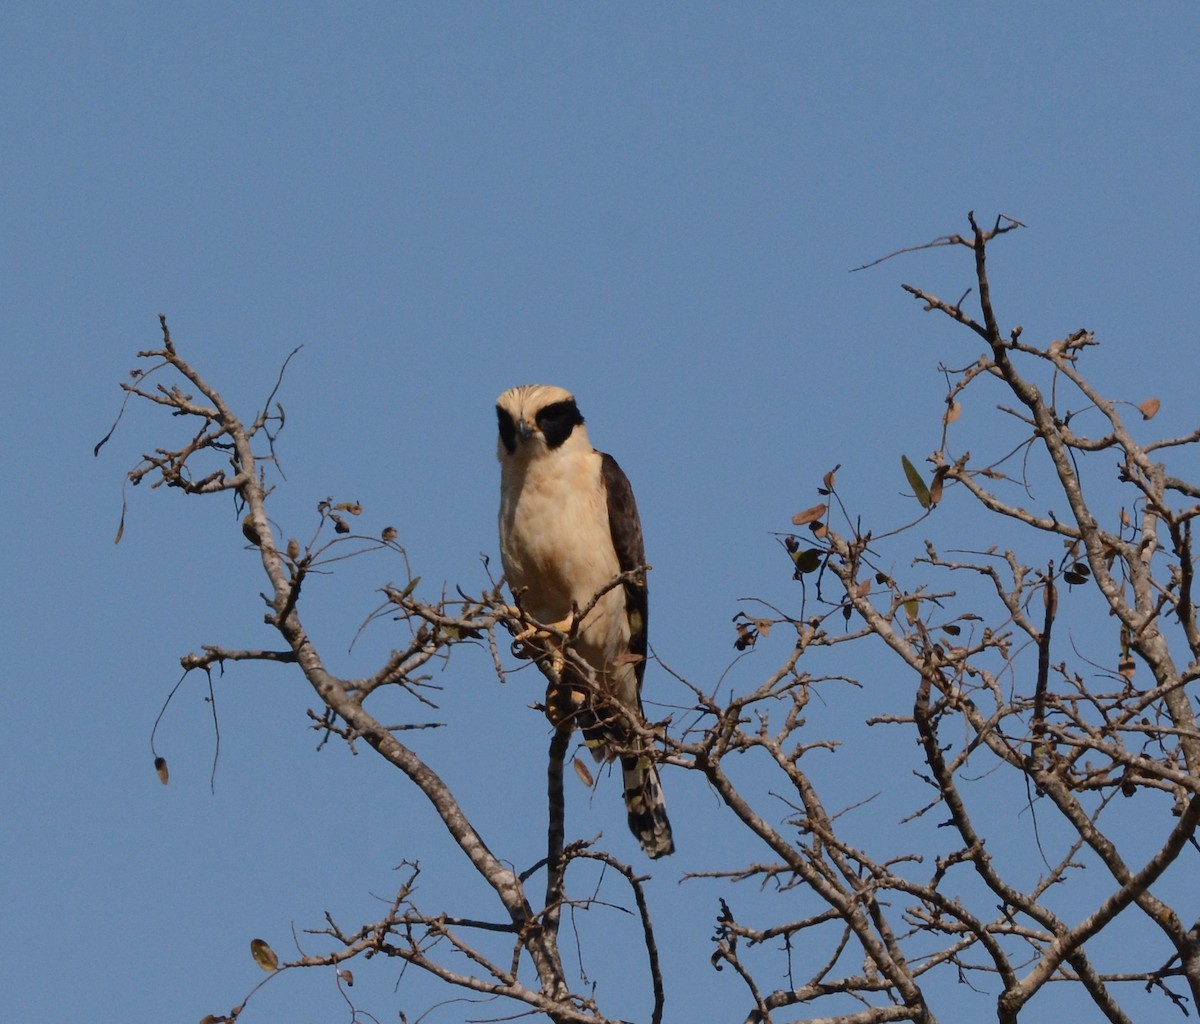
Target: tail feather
{"type": "Point", "coordinates": [644, 802]}
{"type": "Point", "coordinates": [646, 806]}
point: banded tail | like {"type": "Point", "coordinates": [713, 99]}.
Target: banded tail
{"type": "Point", "coordinates": [646, 806]}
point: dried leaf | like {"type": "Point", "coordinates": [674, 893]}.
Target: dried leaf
{"type": "Point", "coordinates": [1149, 407]}
{"type": "Point", "coordinates": [264, 955]}
{"type": "Point", "coordinates": [828, 479]}
{"type": "Point", "coordinates": [763, 626]}
{"type": "Point", "coordinates": [584, 773]}
{"type": "Point", "coordinates": [935, 488]}
{"type": "Point", "coordinates": [863, 589]}
{"type": "Point", "coordinates": [809, 515]}
{"type": "Point", "coordinates": [353, 507]}
{"type": "Point", "coordinates": [250, 531]}
{"type": "Point", "coordinates": [339, 524]}
{"type": "Point", "coordinates": [953, 411]}
{"type": "Point", "coordinates": [293, 549]}
{"type": "Point", "coordinates": [912, 609]}
{"type": "Point", "coordinates": [915, 482]}
{"type": "Point", "coordinates": [819, 530]}
{"type": "Point", "coordinates": [160, 766]}
{"type": "Point", "coordinates": [347, 977]}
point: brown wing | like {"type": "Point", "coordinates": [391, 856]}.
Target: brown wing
{"type": "Point", "coordinates": [644, 803]}
{"type": "Point", "coordinates": [626, 529]}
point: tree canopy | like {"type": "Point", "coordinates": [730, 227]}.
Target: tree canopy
{"type": "Point", "coordinates": [1049, 649]}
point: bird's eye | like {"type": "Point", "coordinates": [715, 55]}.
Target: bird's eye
{"type": "Point", "coordinates": [508, 430]}
{"type": "Point", "coordinates": [556, 422]}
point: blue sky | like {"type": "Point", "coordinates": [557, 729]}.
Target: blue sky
{"type": "Point", "coordinates": [654, 205]}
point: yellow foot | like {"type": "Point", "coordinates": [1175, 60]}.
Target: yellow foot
{"type": "Point", "coordinates": [567, 625]}
{"type": "Point", "coordinates": [549, 631]}
{"type": "Point", "coordinates": [563, 704]}
{"type": "Point", "coordinates": [534, 640]}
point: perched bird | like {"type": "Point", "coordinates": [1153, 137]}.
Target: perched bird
{"type": "Point", "coordinates": [568, 527]}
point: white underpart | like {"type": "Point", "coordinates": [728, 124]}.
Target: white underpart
{"type": "Point", "coordinates": [557, 550]}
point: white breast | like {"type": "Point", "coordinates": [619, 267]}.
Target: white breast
{"type": "Point", "coordinates": [557, 550]}
{"type": "Point", "coordinates": [555, 540]}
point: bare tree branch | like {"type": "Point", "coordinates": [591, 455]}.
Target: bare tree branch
{"type": "Point", "coordinates": [1016, 685]}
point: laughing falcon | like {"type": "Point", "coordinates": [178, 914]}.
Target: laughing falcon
{"type": "Point", "coordinates": [568, 527]}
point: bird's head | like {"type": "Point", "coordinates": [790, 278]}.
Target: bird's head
{"type": "Point", "coordinates": [536, 418]}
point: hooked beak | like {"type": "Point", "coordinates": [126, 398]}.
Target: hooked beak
{"type": "Point", "coordinates": [525, 429]}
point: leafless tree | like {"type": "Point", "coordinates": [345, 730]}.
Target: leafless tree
{"type": "Point", "coordinates": [1058, 661]}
